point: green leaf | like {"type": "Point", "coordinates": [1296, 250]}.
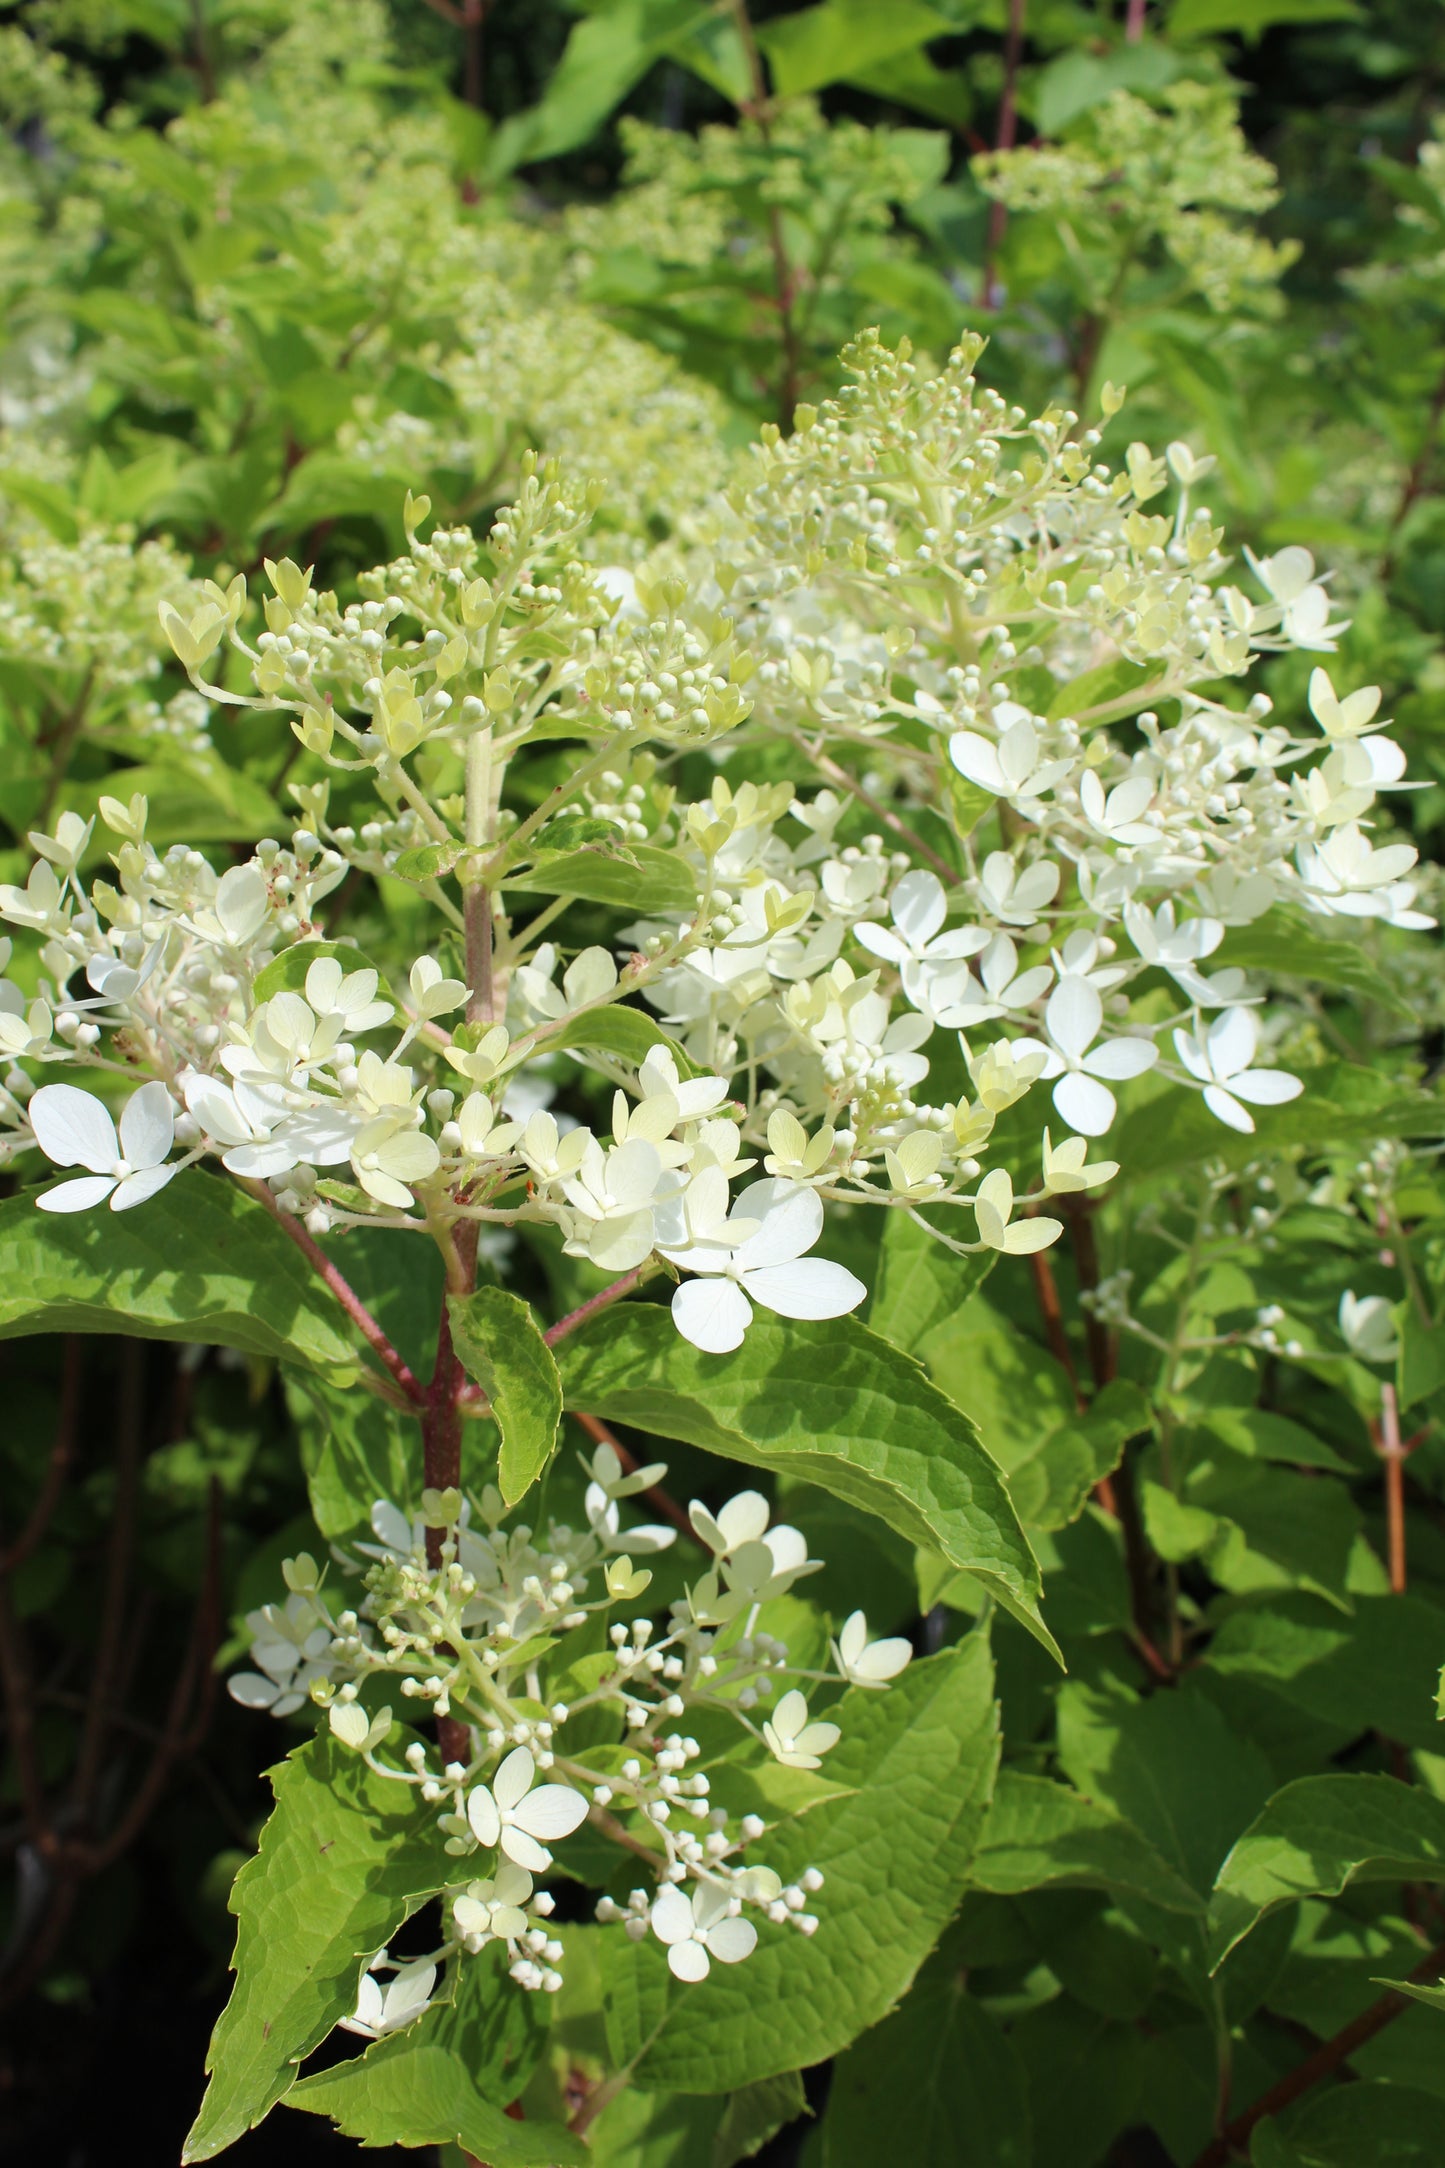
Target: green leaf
{"type": "Point", "coordinates": [201, 1261]}
{"type": "Point", "coordinates": [343, 1861]}
{"type": "Point", "coordinates": [1284, 944]}
{"type": "Point", "coordinates": [824, 44]}
{"type": "Point", "coordinates": [1078, 79]}
{"type": "Point", "coordinates": [941, 2076]}
{"type": "Point", "coordinates": [1261, 1435]}
{"type": "Point", "coordinates": [286, 973]}
{"type": "Point", "coordinates": [920, 1282]}
{"type": "Point", "coordinates": [1374, 1670]}
{"type": "Point", "coordinates": [1421, 1367]}
{"type": "Point", "coordinates": [1340, 1104]}
{"type": "Point", "coordinates": [448, 2080]}
{"type": "Point", "coordinates": [426, 861]}
{"type": "Point", "coordinates": [756, 2113]}
{"type": "Point", "coordinates": [355, 1449]}
{"type": "Point", "coordinates": [634, 877]}
{"type": "Point", "coordinates": [1432, 1997]}
{"type": "Point", "coordinates": [626, 1034]}
{"type": "Point", "coordinates": [214, 805]}
{"type": "Point", "coordinates": [829, 1402]}
{"type": "Point", "coordinates": [1317, 1837]}
{"type": "Point", "coordinates": [1050, 1485]}
{"type": "Point", "coordinates": [500, 1345]}
{"type": "Point", "coordinates": [604, 57]}
{"type": "Point", "coordinates": [1366, 2125]}
{"type": "Point", "coordinates": [1042, 1835]}
{"type": "Point", "coordinates": [1120, 688]}
{"type": "Point", "coordinates": [1216, 18]}
{"type": "Point", "coordinates": [895, 1857]}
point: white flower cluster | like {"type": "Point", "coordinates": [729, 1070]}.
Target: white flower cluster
{"type": "Point", "coordinates": [474, 1639]}
{"type": "Point", "coordinates": [965, 599]}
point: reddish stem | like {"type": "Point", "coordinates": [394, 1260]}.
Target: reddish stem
{"type": "Point", "coordinates": [1232, 2140]}
{"type": "Point", "coordinates": [1393, 1451]}
{"type": "Point", "coordinates": [575, 1319]}
{"type": "Point", "coordinates": [62, 1452]}
{"type": "Point", "coordinates": [441, 1434]}
{"type": "Point", "coordinates": [345, 1294]}
{"type": "Point", "coordinates": [1134, 21]}
{"type": "Point", "coordinates": [1005, 136]}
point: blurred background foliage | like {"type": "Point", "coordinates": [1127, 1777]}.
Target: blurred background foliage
{"type": "Point", "coordinates": [264, 265]}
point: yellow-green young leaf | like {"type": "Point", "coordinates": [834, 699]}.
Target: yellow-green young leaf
{"type": "Point", "coordinates": [1042, 1835]}
{"type": "Point", "coordinates": [894, 1855]}
{"type": "Point", "coordinates": [286, 973]}
{"type": "Point", "coordinates": [500, 1345]}
{"type": "Point", "coordinates": [198, 1262]}
{"type": "Point", "coordinates": [938, 2067]}
{"type": "Point", "coordinates": [824, 44]}
{"type": "Point", "coordinates": [1315, 1838]}
{"type": "Point", "coordinates": [343, 1861]}
{"type": "Point", "coordinates": [829, 1402]}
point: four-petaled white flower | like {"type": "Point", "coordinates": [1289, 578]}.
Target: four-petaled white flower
{"type": "Point", "coordinates": [1066, 1167]}
{"type": "Point", "coordinates": [73, 1129]}
{"type": "Point", "coordinates": [1119, 816]}
{"type": "Point", "coordinates": [1367, 1326]}
{"type": "Point", "coordinates": [755, 1254]}
{"type": "Point", "coordinates": [1221, 1061]}
{"type": "Point", "coordinates": [795, 1741]}
{"type": "Point", "coordinates": [509, 1814]}
{"type": "Point", "coordinates": [1013, 767]}
{"type": "Point", "coordinates": [385, 2010]}
{"type": "Point", "coordinates": [697, 1931]}
{"type": "Point", "coordinates": [494, 1908]}
{"type": "Point", "coordinates": [916, 941]}
{"type": "Point", "coordinates": [1072, 1020]}
{"type": "Point", "coordinates": [865, 1662]}
{"type": "Point", "coordinates": [959, 1001]}
{"type": "Point", "coordinates": [993, 1209]}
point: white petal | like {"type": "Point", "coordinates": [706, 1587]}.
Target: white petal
{"type": "Point", "coordinates": [147, 1126]}
{"type": "Point", "coordinates": [792, 1220]}
{"type": "Point", "coordinates": [1073, 1015]}
{"type": "Point", "coordinates": [77, 1196]}
{"type": "Point", "coordinates": [483, 1816]}
{"type": "Point", "coordinates": [791, 1714]}
{"type": "Point", "coordinates": [918, 907]}
{"type": "Point", "coordinates": [251, 1690]}
{"type": "Point", "coordinates": [1026, 1236]}
{"type": "Point", "coordinates": [524, 1851]}
{"type": "Point", "coordinates": [553, 1810]}
{"type": "Point", "coordinates": [1086, 1106]}
{"type": "Point", "coordinates": [743, 1519]}
{"type": "Point", "coordinates": [73, 1129]}
{"type": "Point", "coordinates": [514, 1778]}
{"type": "Point", "coordinates": [136, 1188]}
{"type": "Point", "coordinates": [881, 941]}
{"type": "Point", "coordinates": [672, 1919]}
{"type": "Point", "coordinates": [1122, 1058]}
{"type": "Point", "coordinates": [688, 1961]}
{"type": "Point", "coordinates": [1227, 1108]}
{"type": "Point", "coordinates": [810, 1287]}
{"type": "Point", "coordinates": [712, 1314]}
{"type": "Point", "coordinates": [1266, 1087]}
{"type": "Point", "coordinates": [976, 758]}
{"type": "Point", "coordinates": [1232, 1040]}
{"type": "Point", "coordinates": [732, 1940]}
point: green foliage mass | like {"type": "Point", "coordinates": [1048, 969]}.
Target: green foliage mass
{"type": "Point", "coordinates": [1156, 1813]}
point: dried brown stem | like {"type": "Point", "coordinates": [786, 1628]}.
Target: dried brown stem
{"type": "Point", "coordinates": [1232, 2142]}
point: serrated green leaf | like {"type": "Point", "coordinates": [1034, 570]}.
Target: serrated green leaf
{"type": "Point", "coordinates": [198, 1262]}
{"type": "Point", "coordinates": [832, 1403]}
{"type": "Point", "coordinates": [449, 2079]}
{"type": "Point", "coordinates": [1042, 1835]}
{"type": "Point", "coordinates": [501, 1346]}
{"type": "Point", "coordinates": [1050, 1485]}
{"type": "Point", "coordinates": [1374, 1669]}
{"type": "Point", "coordinates": [920, 1282]}
{"type": "Point", "coordinates": [1317, 1837]}
{"type": "Point", "coordinates": [634, 877]}
{"type": "Point", "coordinates": [756, 2113]}
{"type": "Point", "coordinates": [343, 1861]}
{"type": "Point", "coordinates": [894, 1856]}
{"type": "Point", "coordinates": [939, 2074]}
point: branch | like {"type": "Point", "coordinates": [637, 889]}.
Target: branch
{"type": "Point", "coordinates": [825, 765]}
{"type": "Point", "coordinates": [1004, 139]}
{"type": "Point", "coordinates": [106, 1661]}
{"type": "Point", "coordinates": [1134, 21]}
{"type": "Point", "coordinates": [345, 1294]}
{"type": "Point", "coordinates": [576, 1319]}
{"type": "Point", "coordinates": [1230, 2143]}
